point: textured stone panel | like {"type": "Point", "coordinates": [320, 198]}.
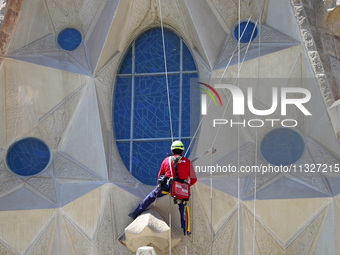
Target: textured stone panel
{"type": "Point", "coordinates": [5, 174]}
{"type": "Point", "coordinates": [20, 228]}
{"type": "Point", "coordinates": [222, 205]}
{"type": "Point", "coordinates": [33, 90]}
{"type": "Point", "coordinates": [44, 243]}
{"type": "Point", "coordinates": [86, 210]}
{"type": "Point", "coordinates": [106, 233]}
{"type": "Point", "coordinates": [89, 12]}
{"type": "Point", "coordinates": [5, 250]}
{"type": "Point", "coordinates": [66, 169]}
{"type": "Point", "coordinates": [64, 5]}
{"type": "Point", "coordinates": [123, 203]}
{"type": "Point", "coordinates": [81, 245]}
{"type": "Point", "coordinates": [201, 231]}
{"type": "Point", "coordinates": [80, 56]}
{"type": "Point", "coordinates": [9, 186]}
{"type": "Point", "coordinates": [326, 243]}
{"type": "Point", "coordinates": [224, 242]}
{"type": "Point", "coordinates": [305, 243]}
{"type": "Point", "coordinates": [60, 19]}
{"type": "Point", "coordinates": [55, 122]}
{"type": "Point", "coordinates": [295, 212]}
{"type": "Point", "coordinates": [173, 15]}
{"type": "Point", "coordinates": [104, 81]}
{"type": "Point", "coordinates": [129, 19]}
{"type": "Point", "coordinates": [32, 25]}
{"type": "Point", "coordinates": [44, 45]}
{"type": "Point", "coordinates": [45, 186]}
{"type": "Point", "coordinates": [265, 242]}
{"type": "Point", "coordinates": [84, 139]}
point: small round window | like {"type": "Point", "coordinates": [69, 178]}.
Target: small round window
{"type": "Point", "coordinates": [28, 156]}
{"type": "Point", "coordinates": [282, 146]}
{"type": "Point", "coordinates": [248, 31]}
{"type": "Point", "coordinates": [69, 39]}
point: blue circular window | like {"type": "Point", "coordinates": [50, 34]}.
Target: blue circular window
{"type": "Point", "coordinates": [28, 156]}
{"type": "Point", "coordinates": [140, 110]}
{"type": "Point", "coordinates": [69, 39]}
{"type": "Point", "coordinates": [248, 31]}
{"type": "Point", "coordinates": [282, 146]}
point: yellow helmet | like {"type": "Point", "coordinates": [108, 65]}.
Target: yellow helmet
{"type": "Point", "coordinates": [177, 145]}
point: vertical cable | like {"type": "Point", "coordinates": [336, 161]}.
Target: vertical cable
{"type": "Point", "coordinates": [238, 134]}
{"type": "Point", "coordinates": [166, 70]}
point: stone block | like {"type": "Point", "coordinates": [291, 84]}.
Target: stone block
{"type": "Point", "coordinates": [148, 229]}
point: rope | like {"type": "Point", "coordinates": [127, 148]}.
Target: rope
{"type": "Point", "coordinates": [169, 106]}
{"type": "Point", "coordinates": [166, 70]}
{"type": "Point", "coordinates": [238, 135]}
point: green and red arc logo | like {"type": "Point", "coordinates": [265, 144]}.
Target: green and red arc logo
{"type": "Point", "coordinates": [209, 93]}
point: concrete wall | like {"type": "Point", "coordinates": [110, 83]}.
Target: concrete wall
{"type": "Point", "coordinates": [80, 204]}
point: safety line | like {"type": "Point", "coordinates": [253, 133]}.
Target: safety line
{"type": "Point", "coordinates": [238, 134]}
{"type": "Point", "coordinates": [166, 69]}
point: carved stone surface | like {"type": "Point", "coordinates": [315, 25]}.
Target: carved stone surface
{"type": "Point", "coordinates": [53, 125]}
{"type": "Point", "coordinates": [60, 19]}
{"type": "Point", "coordinates": [149, 229]}
{"type": "Point", "coordinates": [224, 242]}
{"type": "Point", "coordinates": [9, 186]}
{"type": "Point", "coordinates": [5, 250]}
{"type": "Point", "coordinates": [45, 241]}
{"type": "Point", "coordinates": [66, 169]}
{"type": "Point", "coordinates": [45, 186]}
{"type": "Point", "coordinates": [80, 56]}
{"type": "Point", "coordinates": [44, 45]}
{"type": "Point", "coordinates": [265, 242]}
{"type": "Point", "coordinates": [303, 244]}
{"type": "Point", "coordinates": [105, 233]}
{"type": "Point", "coordinates": [80, 243]}
{"type": "Point", "coordinates": [5, 174]}
{"type": "Point", "coordinates": [89, 12]}
{"type": "Point", "coordinates": [19, 112]}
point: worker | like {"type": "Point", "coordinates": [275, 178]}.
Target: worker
{"type": "Point", "coordinates": [185, 172]}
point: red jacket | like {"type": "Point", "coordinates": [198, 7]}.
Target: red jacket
{"type": "Point", "coordinates": [185, 170]}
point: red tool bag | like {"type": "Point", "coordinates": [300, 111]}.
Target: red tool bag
{"type": "Point", "coordinates": [180, 189]}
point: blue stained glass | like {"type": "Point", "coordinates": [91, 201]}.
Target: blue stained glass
{"type": "Point", "coordinates": [28, 156]}
{"type": "Point", "coordinates": [126, 66]}
{"type": "Point", "coordinates": [122, 108]}
{"type": "Point", "coordinates": [124, 151]}
{"type": "Point", "coordinates": [282, 146]}
{"type": "Point", "coordinates": [147, 159]}
{"type": "Point", "coordinates": [246, 31]}
{"type": "Point", "coordinates": [149, 54]}
{"type": "Point", "coordinates": [188, 60]}
{"type": "Point", "coordinates": [191, 108]}
{"type": "Point", "coordinates": [150, 102]}
{"type": "Point", "coordinates": [151, 115]}
{"type": "Point", "coordinates": [69, 39]}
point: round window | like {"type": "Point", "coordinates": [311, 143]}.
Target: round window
{"type": "Point", "coordinates": [282, 146]}
{"type": "Point", "coordinates": [28, 156]}
{"type": "Point", "coordinates": [248, 31]}
{"type": "Point", "coordinates": [69, 39]}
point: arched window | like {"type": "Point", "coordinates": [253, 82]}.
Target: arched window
{"type": "Point", "coordinates": [141, 113]}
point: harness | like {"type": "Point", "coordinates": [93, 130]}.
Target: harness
{"type": "Point", "coordinates": [180, 189]}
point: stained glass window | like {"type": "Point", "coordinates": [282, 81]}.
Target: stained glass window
{"type": "Point", "coordinates": [282, 146]}
{"type": "Point", "coordinates": [28, 156]}
{"type": "Point", "coordinates": [141, 114]}
{"type": "Point", "coordinates": [248, 31]}
{"type": "Point", "coordinates": [69, 39]}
